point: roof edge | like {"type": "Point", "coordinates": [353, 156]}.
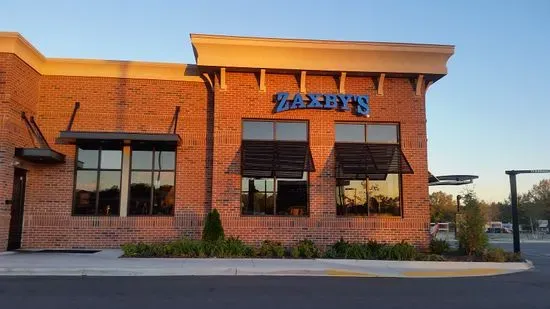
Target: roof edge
{"type": "Point", "coordinates": [320, 55]}
{"type": "Point", "coordinates": [15, 43]}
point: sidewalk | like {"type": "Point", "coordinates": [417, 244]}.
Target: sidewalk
{"type": "Point", "coordinates": [108, 263]}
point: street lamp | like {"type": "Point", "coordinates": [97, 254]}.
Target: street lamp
{"type": "Point", "coordinates": [514, 198]}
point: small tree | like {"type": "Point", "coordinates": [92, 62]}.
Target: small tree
{"type": "Point", "coordinates": [213, 229]}
{"type": "Point", "coordinates": [471, 226]}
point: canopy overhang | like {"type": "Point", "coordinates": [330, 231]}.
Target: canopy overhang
{"type": "Point", "coordinates": [74, 137]}
{"type": "Point", "coordinates": [283, 159]}
{"type": "Point", "coordinates": [373, 161]}
{"type": "Point", "coordinates": [39, 155]}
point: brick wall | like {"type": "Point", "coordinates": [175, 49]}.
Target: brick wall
{"type": "Point", "coordinates": [19, 87]}
{"type": "Point", "coordinates": [111, 104]}
{"type": "Point", "coordinates": [242, 99]}
{"type": "Point", "coordinates": [208, 158]}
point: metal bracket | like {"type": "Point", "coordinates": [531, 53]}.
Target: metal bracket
{"type": "Point", "coordinates": [174, 123]}
{"type": "Point", "coordinates": [76, 107]}
{"type": "Point", "coordinates": [36, 134]}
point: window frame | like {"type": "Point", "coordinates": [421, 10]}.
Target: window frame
{"type": "Point", "coordinates": [98, 171]}
{"type": "Point", "coordinates": [152, 171]}
{"type": "Point", "coordinates": [275, 193]}
{"type": "Point", "coordinates": [400, 176]}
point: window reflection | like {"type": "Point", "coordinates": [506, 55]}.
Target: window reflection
{"type": "Point", "coordinates": [164, 195]}
{"type": "Point", "coordinates": [111, 159]}
{"type": "Point", "coordinates": [384, 196]}
{"type": "Point", "coordinates": [97, 184]}
{"type": "Point", "coordinates": [291, 131]}
{"type": "Point", "coordinates": [381, 198]}
{"type": "Point", "coordinates": [350, 132]}
{"type": "Point", "coordinates": [270, 196]}
{"type": "Point", "coordinates": [165, 160]}
{"type": "Point", "coordinates": [382, 133]}
{"type": "Point", "coordinates": [351, 197]}
{"type": "Point", "coordinates": [258, 130]}
{"type": "Point", "coordinates": [152, 190]}
{"type": "Point", "coordinates": [142, 160]}
{"type": "Point", "coordinates": [85, 192]}
{"type": "Point", "coordinates": [140, 193]}
{"type": "Point", "coordinates": [87, 158]}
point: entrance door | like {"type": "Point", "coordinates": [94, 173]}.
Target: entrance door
{"type": "Point", "coordinates": [18, 202]}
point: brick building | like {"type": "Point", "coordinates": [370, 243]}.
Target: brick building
{"type": "Point", "coordinates": [288, 139]}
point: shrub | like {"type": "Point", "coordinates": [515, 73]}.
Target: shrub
{"type": "Point", "coordinates": [471, 227]}
{"type": "Point", "coordinates": [271, 249]}
{"type": "Point", "coordinates": [358, 251]}
{"type": "Point", "coordinates": [402, 251]}
{"type": "Point", "coordinates": [494, 255]}
{"type": "Point", "coordinates": [213, 229]}
{"type": "Point", "coordinates": [236, 248]}
{"type": "Point", "coordinates": [337, 250]}
{"type": "Point", "coordinates": [439, 246]}
{"type": "Point", "coordinates": [305, 249]}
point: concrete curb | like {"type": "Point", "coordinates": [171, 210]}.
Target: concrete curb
{"type": "Point", "coordinates": [320, 267]}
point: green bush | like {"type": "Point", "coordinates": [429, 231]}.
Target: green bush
{"type": "Point", "coordinates": [402, 251]}
{"type": "Point", "coordinates": [513, 257]}
{"type": "Point", "coordinates": [272, 249]}
{"type": "Point", "coordinates": [471, 227]}
{"type": "Point", "coordinates": [439, 246]}
{"type": "Point", "coordinates": [358, 251]}
{"type": "Point", "coordinates": [305, 249]}
{"type": "Point", "coordinates": [213, 229]}
{"type": "Point", "coordinates": [494, 255]}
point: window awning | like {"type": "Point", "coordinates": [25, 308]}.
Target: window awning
{"type": "Point", "coordinates": [39, 155]}
{"type": "Point", "coordinates": [72, 137]}
{"type": "Point", "coordinates": [284, 159]}
{"type": "Point", "coordinates": [42, 153]}
{"type": "Point", "coordinates": [374, 161]}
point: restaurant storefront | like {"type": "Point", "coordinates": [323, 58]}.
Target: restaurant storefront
{"type": "Point", "coordinates": [288, 139]}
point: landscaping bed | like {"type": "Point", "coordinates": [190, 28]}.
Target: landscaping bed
{"type": "Point", "coordinates": [306, 249]}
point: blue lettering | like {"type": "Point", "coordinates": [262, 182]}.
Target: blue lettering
{"type": "Point", "coordinates": [298, 102]}
{"type": "Point", "coordinates": [344, 101]}
{"type": "Point", "coordinates": [314, 103]}
{"type": "Point", "coordinates": [281, 102]}
{"type": "Point", "coordinates": [362, 105]}
{"type": "Point", "coordinates": [331, 101]}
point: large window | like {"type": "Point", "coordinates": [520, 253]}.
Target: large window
{"type": "Point", "coordinates": [152, 181]}
{"type": "Point", "coordinates": [376, 194]}
{"type": "Point", "coordinates": [98, 175]}
{"type": "Point", "coordinates": [278, 195]}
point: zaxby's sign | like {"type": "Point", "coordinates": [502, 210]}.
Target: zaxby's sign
{"type": "Point", "coordinates": [360, 103]}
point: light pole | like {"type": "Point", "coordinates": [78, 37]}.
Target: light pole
{"type": "Point", "coordinates": [514, 198]}
{"type": "Point", "coordinates": [458, 198]}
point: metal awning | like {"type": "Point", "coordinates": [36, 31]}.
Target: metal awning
{"type": "Point", "coordinates": [451, 180]}
{"type": "Point", "coordinates": [374, 161]}
{"type": "Point", "coordinates": [40, 155]}
{"type": "Point", "coordinates": [284, 159]}
{"type": "Point", "coordinates": [73, 137]}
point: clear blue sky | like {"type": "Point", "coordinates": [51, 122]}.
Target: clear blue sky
{"type": "Point", "coordinates": [489, 114]}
